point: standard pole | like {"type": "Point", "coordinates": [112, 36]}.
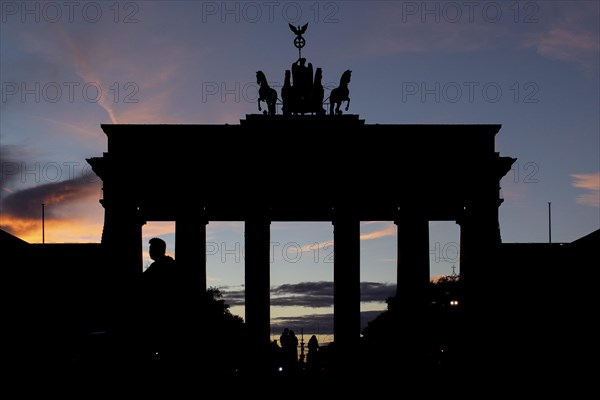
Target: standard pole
{"type": "Point", "coordinates": [43, 225]}
{"type": "Point", "coordinates": [549, 222]}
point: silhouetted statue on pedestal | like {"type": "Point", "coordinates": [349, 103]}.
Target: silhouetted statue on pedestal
{"type": "Point", "coordinates": [316, 98]}
{"type": "Point", "coordinates": [340, 94]}
{"type": "Point", "coordinates": [287, 95]}
{"type": "Point", "coordinates": [266, 94]}
{"type": "Point", "coordinates": [302, 91]}
{"type": "Point", "coordinates": [305, 95]}
{"type": "Point", "coordinates": [302, 76]}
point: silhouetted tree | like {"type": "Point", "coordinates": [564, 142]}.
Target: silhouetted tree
{"type": "Point", "coordinates": [384, 336]}
{"type": "Point", "coordinates": [223, 335]}
{"type": "Point", "coordinates": [444, 290]}
{"type": "Point", "coordinates": [445, 321]}
{"type": "Point", "coordinates": [209, 339]}
{"type": "Point", "coordinates": [217, 308]}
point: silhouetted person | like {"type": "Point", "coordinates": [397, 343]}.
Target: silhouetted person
{"type": "Point", "coordinates": [312, 358]}
{"type": "Point", "coordinates": [161, 297]}
{"type": "Point", "coordinates": [289, 349]}
{"type": "Point", "coordinates": [276, 356]}
{"type": "Point", "coordinates": [284, 339]}
{"type": "Point", "coordinates": [292, 350]}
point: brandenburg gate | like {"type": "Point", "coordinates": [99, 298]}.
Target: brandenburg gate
{"type": "Point", "coordinates": [306, 168]}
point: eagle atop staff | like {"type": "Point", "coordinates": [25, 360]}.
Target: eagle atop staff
{"type": "Point", "coordinates": [299, 30]}
{"type": "Point", "coordinates": [299, 41]}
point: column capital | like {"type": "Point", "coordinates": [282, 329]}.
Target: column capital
{"type": "Point", "coordinates": [343, 214]}
{"type": "Point", "coordinates": [258, 214]}
{"type": "Point", "coordinates": [409, 214]}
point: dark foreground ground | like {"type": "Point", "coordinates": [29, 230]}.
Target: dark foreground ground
{"type": "Point", "coordinates": [194, 381]}
{"type": "Point", "coordinates": [548, 367]}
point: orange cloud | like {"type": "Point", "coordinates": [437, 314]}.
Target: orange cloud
{"type": "Point", "coordinates": [72, 212]}
{"type": "Point", "coordinates": [73, 230]}
{"type": "Point", "coordinates": [315, 246]}
{"type": "Point", "coordinates": [389, 230]}
{"type": "Point", "coordinates": [158, 228]}
{"type": "Point", "coordinates": [590, 183]}
{"type": "Point", "coordinates": [26, 203]}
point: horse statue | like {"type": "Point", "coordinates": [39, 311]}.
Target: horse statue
{"type": "Point", "coordinates": [266, 94]}
{"type": "Point", "coordinates": [340, 94]}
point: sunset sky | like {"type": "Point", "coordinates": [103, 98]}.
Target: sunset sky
{"type": "Point", "coordinates": [67, 67]}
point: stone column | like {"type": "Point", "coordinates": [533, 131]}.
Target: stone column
{"type": "Point", "coordinates": [485, 302]}
{"type": "Point", "coordinates": [122, 239]}
{"type": "Point", "coordinates": [346, 288]}
{"type": "Point", "coordinates": [257, 281]}
{"type": "Point", "coordinates": [190, 248]}
{"type": "Point", "coordinates": [413, 259]}
{"type": "Point", "coordinates": [411, 293]}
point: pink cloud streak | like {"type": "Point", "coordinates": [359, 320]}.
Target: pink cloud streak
{"type": "Point", "coordinates": [590, 183]}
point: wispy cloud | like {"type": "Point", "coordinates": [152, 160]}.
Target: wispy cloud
{"type": "Point", "coordinates": [158, 228]}
{"type": "Point", "coordinates": [316, 323]}
{"type": "Point", "coordinates": [565, 44]}
{"type": "Point", "coordinates": [233, 295]}
{"type": "Point", "coordinates": [571, 33]}
{"type": "Point", "coordinates": [312, 294]}
{"type": "Point", "coordinates": [376, 292]}
{"type": "Point", "coordinates": [321, 323]}
{"type": "Point", "coordinates": [315, 246]}
{"type": "Point", "coordinates": [513, 192]}
{"type": "Point", "coordinates": [86, 70]}
{"type": "Point", "coordinates": [26, 203]}
{"type": "Point", "coordinates": [67, 210]}
{"type": "Point", "coordinates": [133, 85]}
{"type": "Point", "coordinates": [10, 164]}
{"type": "Point", "coordinates": [394, 29]}
{"type": "Point", "coordinates": [388, 230]}
{"type": "Point", "coordinates": [304, 294]}
{"type": "Point", "coordinates": [591, 184]}
{"type": "Point", "coordinates": [561, 30]}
